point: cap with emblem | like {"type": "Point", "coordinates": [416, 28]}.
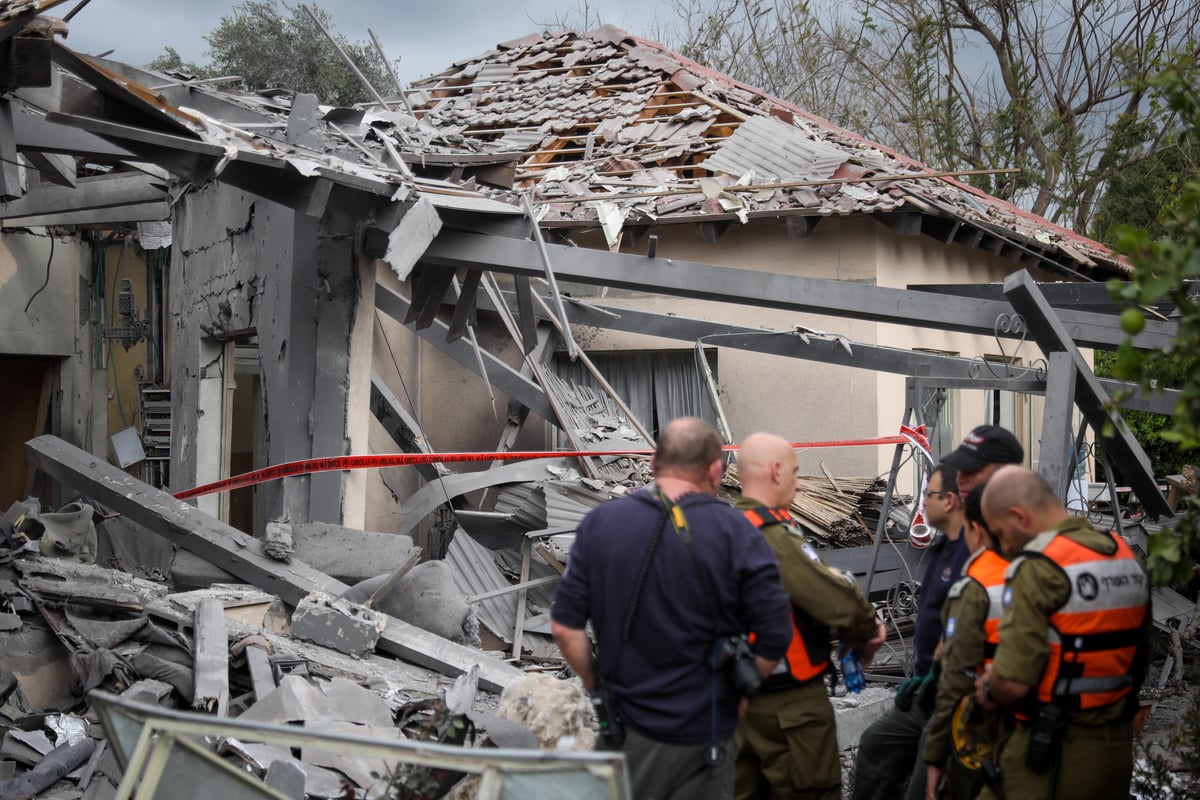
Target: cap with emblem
{"type": "Point", "coordinates": [986, 444]}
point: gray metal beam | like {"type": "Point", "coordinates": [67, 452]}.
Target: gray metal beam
{"type": "Point", "coordinates": [99, 217]}
{"type": "Point", "coordinates": [1058, 434]}
{"type": "Point", "coordinates": [35, 132]}
{"type": "Point", "coordinates": [1052, 336]}
{"type": "Point", "coordinates": [400, 425]}
{"type": "Point", "coordinates": [458, 249]}
{"type": "Point", "coordinates": [104, 192]}
{"type": "Point", "coordinates": [244, 556]}
{"type": "Point", "coordinates": [10, 176]}
{"type": "Point", "coordinates": [932, 369]}
{"type": "Point", "coordinates": [504, 377]}
{"type": "Point", "coordinates": [54, 168]}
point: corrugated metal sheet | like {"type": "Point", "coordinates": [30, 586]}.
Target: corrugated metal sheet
{"type": "Point", "coordinates": [475, 572]}
{"type": "Point", "coordinates": [775, 150]}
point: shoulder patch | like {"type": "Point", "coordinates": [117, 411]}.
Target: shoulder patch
{"type": "Point", "coordinates": [1006, 600]}
{"type": "Point", "coordinates": [810, 551]}
{"type": "Point", "coordinates": [950, 624]}
{"type": "Point", "coordinates": [957, 589]}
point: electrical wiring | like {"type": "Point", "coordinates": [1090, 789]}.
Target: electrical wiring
{"type": "Point", "coordinates": [46, 282]}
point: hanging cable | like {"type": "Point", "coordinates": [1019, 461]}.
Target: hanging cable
{"type": "Point", "coordinates": [46, 282]}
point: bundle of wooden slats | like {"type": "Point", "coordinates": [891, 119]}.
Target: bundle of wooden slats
{"type": "Point", "coordinates": [828, 506]}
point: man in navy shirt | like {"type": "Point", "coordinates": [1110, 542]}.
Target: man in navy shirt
{"type": "Point", "coordinates": [664, 574]}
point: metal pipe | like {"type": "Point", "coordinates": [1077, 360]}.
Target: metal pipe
{"type": "Point", "coordinates": [391, 72]}
{"type": "Point", "coordinates": [345, 56]}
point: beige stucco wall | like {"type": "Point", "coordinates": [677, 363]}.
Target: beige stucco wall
{"type": "Point", "coordinates": [801, 400]}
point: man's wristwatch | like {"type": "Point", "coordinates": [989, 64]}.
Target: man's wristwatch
{"type": "Point", "coordinates": [987, 691]}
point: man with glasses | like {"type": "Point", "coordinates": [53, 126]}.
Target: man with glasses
{"type": "Point", "coordinates": [888, 750]}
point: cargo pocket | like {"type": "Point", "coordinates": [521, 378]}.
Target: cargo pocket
{"type": "Point", "coordinates": [811, 735]}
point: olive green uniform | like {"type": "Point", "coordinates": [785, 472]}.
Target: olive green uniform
{"type": "Point", "coordinates": [1096, 758]}
{"type": "Point", "coordinates": [787, 741]}
{"type": "Point", "coordinates": [963, 649]}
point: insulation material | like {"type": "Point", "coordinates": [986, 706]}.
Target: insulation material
{"type": "Point", "coordinates": [557, 711]}
{"type": "Point", "coordinates": [426, 597]}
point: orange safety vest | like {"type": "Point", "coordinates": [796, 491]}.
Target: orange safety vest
{"type": "Point", "coordinates": [987, 568]}
{"type": "Point", "coordinates": [807, 657]}
{"type": "Point", "coordinates": [1094, 636]}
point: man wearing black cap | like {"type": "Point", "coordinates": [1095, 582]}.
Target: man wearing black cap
{"type": "Point", "coordinates": [985, 449]}
{"type": "Point", "coordinates": [888, 751]}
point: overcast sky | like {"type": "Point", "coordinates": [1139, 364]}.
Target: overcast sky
{"type": "Point", "coordinates": [427, 35]}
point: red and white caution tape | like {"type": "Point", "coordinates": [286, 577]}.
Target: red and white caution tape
{"type": "Point", "coordinates": [912, 436]}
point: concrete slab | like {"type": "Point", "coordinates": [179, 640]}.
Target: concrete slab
{"type": "Point", "coordinates": [347, 554]}
{"type": "Point", "coordinates": [344, 626]}
{"type": "Point", "coordinates": [855, 712]}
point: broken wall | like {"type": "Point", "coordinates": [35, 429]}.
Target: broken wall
{"type": "Point", "coordinates": [45, 308]}
{"type": "Point", "coordinates": [246, 270]}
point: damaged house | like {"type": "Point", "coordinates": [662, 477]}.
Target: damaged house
{"type": "Point", "coordinates": [558, 245]}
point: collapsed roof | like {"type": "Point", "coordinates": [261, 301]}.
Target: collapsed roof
{"type": "Point", "coordinates": [605, 128]}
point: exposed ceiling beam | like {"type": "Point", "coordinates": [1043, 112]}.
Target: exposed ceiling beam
{"type": "Point", "coordinates": [117, 215]}
{"type": "Point", "coordinates": [458, 249]}
{"type": "Point", "coordinates": [951, 371]}
{"type": "Point", "coordinates": [108, 191]}
{"type": "Point", "coordinates": [1090, 397]}
{"type": "Point", "coordinates": [35, 132]}
{"type": "Point", "coordinates": [54, 168]}
{"type": "Point", "coordinates": [502, 376]}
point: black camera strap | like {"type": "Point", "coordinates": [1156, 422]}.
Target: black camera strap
{"type": "Point", "coordinates": [713, 755]}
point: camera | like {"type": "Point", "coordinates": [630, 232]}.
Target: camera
{"type": "Point", "coordinates": [733, 655]}
{"type": "Point", "coordinates": [612, 728]}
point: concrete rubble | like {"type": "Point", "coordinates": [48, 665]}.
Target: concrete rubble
{"type": "Point", "coordinates": [232, 650]}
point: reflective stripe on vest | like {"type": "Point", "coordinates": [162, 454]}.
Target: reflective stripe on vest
{"type": "Point", "coordinates": [807, 656]}
{"type": "Point", "coordinates": [987, 567]}
{"type": "Point", "coordinates": [1094, 636]}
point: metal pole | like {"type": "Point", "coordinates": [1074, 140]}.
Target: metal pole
{"type": "Point", "coordinates": [345, 57]}
{"type": "Point", "coordinates": [565, 324]}
{"type": "Point", "coordinates": [887, 500]}
{"type": "Point", "coordinates": [388, 66]}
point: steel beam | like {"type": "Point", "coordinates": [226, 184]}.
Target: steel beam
{"type": "Point", "coordinates": [89, 193]}
{"type": "Point", "coordinates": [1052, 337]}
{"type": "Point", "coordinates": [504, 377]}
{"type": "Point", "coordinates": [99, 217]}
{"type": "Point", "coordinates": [35, 132]}
{"type": "Point", "coordinates": [10, 174]}
{"type": "Point", "coordinates": [932, 369]}
{"type": "Point", "coordinates": [400, 425]}
{"type": "Point", "coordinates": [1058, 434]}
{"type": "Point", "coordinates": [244, 556]}
{"type": "Point", "coordinates": [458, 249]}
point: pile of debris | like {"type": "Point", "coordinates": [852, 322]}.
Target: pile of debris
{"type": "Point", "coordinates": [80, 642]}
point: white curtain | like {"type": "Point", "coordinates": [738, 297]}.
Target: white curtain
{"type": "Point", "coordinates": [657, 386]}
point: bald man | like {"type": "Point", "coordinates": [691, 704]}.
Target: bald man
{"type": "Point", "coordinates": [1074, 644]}
{"type": "Point", "coordinates": [787, 741]}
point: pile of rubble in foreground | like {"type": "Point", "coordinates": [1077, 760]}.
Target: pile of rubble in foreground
{"type": "Point", "coordinates": [272, 684]}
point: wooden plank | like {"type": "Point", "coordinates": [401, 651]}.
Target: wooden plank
{"type": "Point", "coordinates": [212, 658]}
{"type": "Point", "coordinates": [243, 556]}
